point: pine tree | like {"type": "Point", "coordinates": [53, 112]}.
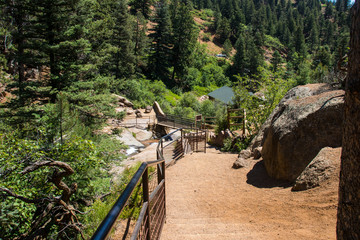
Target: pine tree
{"type": "Point", "coordinates": [275, 61]}
{"type": "Point", "coordinates": [223, 31]}
{"type": "Point", "coordinates": [123, 60]}
{"type": "Point", "coordinates": [142, 6]}
{"type": "Point", "coordinates": [184, 39]}
{"type": "Point", "coordinates": [299, 41]}
{"type": "Point", "coordinates": [159, 60]}
{"type": "Point", "coordinates": [141, 42]}
{"type": "Point", "coordinates": [240, 58]}
{"type": "Point", "coordinates": [227, 47]}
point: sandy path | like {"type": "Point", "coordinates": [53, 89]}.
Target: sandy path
{"type": "Point", "coordinates": [207, 199]}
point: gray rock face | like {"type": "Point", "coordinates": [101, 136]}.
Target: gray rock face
{"type": "Point", "coordinates": [307, 119]}
{"type": "Point", "coordinates": [319, 169]}
{"type": "Point", "coordinates": [293, 94]}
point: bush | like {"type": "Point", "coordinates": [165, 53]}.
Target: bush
{"type": "Point", "coordinates": [206, 37]}
{"type": "Point", "coordinates": [189, 100]}
{"type": "Point", "coordinates": [207, 108]}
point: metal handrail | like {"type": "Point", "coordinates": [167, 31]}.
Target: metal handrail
{"type": "Point", "coordinates": [107, 224]}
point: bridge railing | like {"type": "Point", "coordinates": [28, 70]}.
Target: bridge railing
{"type": "Point", "coordinates": [153, 211]}
{"type": "Point", "coordinates": [176, 121]}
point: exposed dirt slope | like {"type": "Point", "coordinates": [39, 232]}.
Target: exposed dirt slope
{"type": "Point", "coordinates": [207, 199]}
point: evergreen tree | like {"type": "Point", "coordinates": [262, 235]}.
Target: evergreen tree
{"type": "Point", "coordinates": [227, 47]}
{"type": "Point", "coordinates": [275, 61]}
{"type": "Point", "coordinates": [184, 39]}
{"type": "Point", "coordinates": [141, 42]}
{"type": "Point", "coordinates": [223, 31]}
{"type": "Point", "coordinates": [299, 41]}
{"type": "Point", "coordinates": [240, 58]}
{"type": "Point", "coordinates": [159, 60]}
{"type": "Point", "coordinates": [122, 62]}
{"type": "Point", "coordinates": [255, 53]}
{"type": "Point", "coordinates": [142, 6]}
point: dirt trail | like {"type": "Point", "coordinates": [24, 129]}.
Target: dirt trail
{"type": "Point", "coordinates": [207, 199]}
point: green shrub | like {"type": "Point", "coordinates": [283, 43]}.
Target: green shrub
{"type": "Point", "coordinates": [206, 37]}
{"type": "Point", "coordinates": [189, 100]}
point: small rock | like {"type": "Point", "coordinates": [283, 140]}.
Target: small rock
{"type": "Point", "coordinates": [138, 113]}
{"type": "Point", "coordinates": [148, 109]}
{"type": "Point", "coordinates": [240, 163]}
{"type": "Point", "coordinates": [245, 154]}
{"type": "Point", "coordinates": [257, 153]}
{"type": "Point", "coordinates": [129, 112]}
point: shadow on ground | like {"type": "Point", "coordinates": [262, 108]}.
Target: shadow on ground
{"type": "Point", "coordinates": [258, 177]}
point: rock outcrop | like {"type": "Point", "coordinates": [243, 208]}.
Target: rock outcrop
{"type": "Point", "coordinates": [306, 120]}
{"type": "Point", "coordinates": [321, 168]}
{"type": "Point", "coordinates": [123, 102]}
{"type": "Point", "coordinates": [298, 92]}
{"type": "Point", "coordinates": [157, 109]}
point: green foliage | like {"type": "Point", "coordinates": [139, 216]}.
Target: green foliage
{"type": "Point", "coordinates": [16, 154]}
{"type": "Point", "coordinates": [227, 47]}
{"type": "Point", "coordinates": [236, 144]}
{"type": "Point", "coordinates": [208, 108]}
{"type": "Point", "coordinates": [200, 91]}
{"type": "Point", "coordinates": [206, 37]}
{"type": "Point", "coordinates": [184, 40]}
{"type": "Point", "coordinates": [100, 208]}
{"type": "Point", "coordinates": [273, 43]}
{"type": "Point", "coordinates": [189, 100]}
{"type": "Point", "coordinates": [221, 119]}
{"type": "Point", "coordinates": [143, 92]}
{"type": "Point", "coordinates": [272, 87]}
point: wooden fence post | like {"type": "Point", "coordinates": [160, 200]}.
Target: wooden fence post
{"type": "Point", "coordinates": [244, 120]}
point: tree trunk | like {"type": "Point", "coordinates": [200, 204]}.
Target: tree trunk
{"type": "Point", "coordinates": [348, 223]}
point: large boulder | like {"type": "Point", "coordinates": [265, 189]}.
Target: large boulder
{"type": "Point", "coordinates": [307, 119]}
{"type": "Point", "coordinates": [293, 94]}
{"type": "Point", "coordinates": [321, 168]}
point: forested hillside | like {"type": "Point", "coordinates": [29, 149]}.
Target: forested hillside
{"type": "Point", "coordinates": [62, 61]}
